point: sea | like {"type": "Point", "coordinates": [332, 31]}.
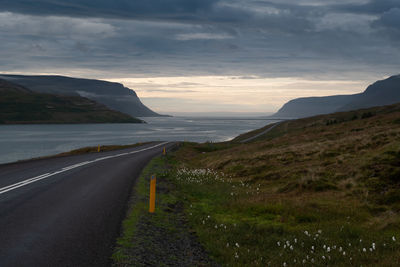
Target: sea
{"type": "Point", "coordinates": [21, 142]}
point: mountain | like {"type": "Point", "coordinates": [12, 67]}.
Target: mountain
{"type": "Point", "coordinates": [19, 105]}
{"type": "Point", "coordinates": [384, 92]}
{"type": "Point", "coordinates": [380, 93]}
{"type": "Point", "coordinates": [310, 106]}
{"type": "Point", "coordinates": [113, 95]}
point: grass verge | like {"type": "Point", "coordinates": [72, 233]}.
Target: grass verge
{"type": "Point", "coordinates": [161, 238]}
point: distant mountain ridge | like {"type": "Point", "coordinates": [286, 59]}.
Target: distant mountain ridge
{"type": "Point", "coordinates": [384, 92]}
{"type": "Point", "coordinates": [19, 105]}
{"type": "Point", "coordinates": [113, 95]}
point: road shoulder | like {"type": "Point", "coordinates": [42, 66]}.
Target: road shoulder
{"type": "Point", "coordinates": [160, 239]}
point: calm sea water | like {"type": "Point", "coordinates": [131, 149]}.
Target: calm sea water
{"type": "Point", "coordinates": [19, 142]}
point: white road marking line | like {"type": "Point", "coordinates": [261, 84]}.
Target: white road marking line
{"type": "Point", "coordinates": [4, 188]}
{"type": "Point", "coordinates": [47, 175]}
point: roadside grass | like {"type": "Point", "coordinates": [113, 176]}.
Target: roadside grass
{"type": "Point", "coordinates": [161, 238]}
{"type": "Point", "coordinates": [138, 207]}
{"type": "Point", "coordinates": [312, 192]}
{"type": "Point", "coordinates": [250, 134]}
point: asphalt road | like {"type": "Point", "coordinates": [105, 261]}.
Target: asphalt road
{"type": "Point", "coordinates": [262, 133]}
{"type": "Point", "coordinates": [67, 211]}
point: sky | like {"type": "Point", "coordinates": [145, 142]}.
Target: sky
{"type": "Point", "coordinates": [207, 55]}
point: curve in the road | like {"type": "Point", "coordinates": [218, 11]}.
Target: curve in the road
{"type": "Point", "coordinates": [74, 218]}
{"type": "Point", "coordinates": [47, 175]}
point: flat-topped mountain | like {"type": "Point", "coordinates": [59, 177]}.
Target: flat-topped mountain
{"type": "Point", "coordinates": [113, 95]}
{"type": "Point", "coordinates": [384, 92]}
{"type": "Point", "coordinates": [19, 105]}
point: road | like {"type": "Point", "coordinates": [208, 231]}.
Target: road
{"type": "Point", "coordinates": [67, 211]}
{"type": "Point", "coordinates": [262, 133]}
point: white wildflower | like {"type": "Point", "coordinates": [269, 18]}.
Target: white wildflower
{"type": "Point", "coordinates": [236, 244]}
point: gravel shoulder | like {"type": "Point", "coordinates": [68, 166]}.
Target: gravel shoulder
{"type": "Point", "coordinates": [162, 238]}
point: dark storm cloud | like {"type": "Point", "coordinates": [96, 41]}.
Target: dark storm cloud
{"type": "Point", "coordinates": [371, 7]}
{"type": "Point", "coordinates": [182, 37]}
{"type": "Point", "coordinates": [107, 8]}
{"type": "Point", "coordinates": [390, 19]}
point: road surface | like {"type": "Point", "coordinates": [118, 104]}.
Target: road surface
{"type": "Point", "coordinates": [262, 133]}
{"type": "Point", "coordinates": [67, 211]}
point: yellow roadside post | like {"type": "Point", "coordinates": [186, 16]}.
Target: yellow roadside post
{"type": "Point", "coordinates": [164, 152]}
{"type": "Point", "coordinates": [98, 148]}
{"type": "Point", "coordinates": [152, 194]}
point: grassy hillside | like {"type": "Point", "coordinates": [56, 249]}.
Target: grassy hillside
{"type": "Point", "coordinates": [113, 95]}
{"type": "Point", "coordinates": [384, 92]}
{"type": "Point", "coordinates": [318, 191]}
{"type": "Point", "coordinates": [19, 105]}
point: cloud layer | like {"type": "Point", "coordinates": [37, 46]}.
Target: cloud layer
{"type": "Point", "coordinates": [313, 39]}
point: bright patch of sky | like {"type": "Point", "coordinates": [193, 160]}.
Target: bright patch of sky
{"type": "Point", "coordinates": [231, 93]}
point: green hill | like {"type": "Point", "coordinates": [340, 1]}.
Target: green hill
{"type": "Point", "coordinates": [19, 105]}
{"type": "Point", "coordinates": [384, 92]}
{"type": "Point", "coordinates": [319, 191]}
{"type": "Point", "coordinates": [114, 96]}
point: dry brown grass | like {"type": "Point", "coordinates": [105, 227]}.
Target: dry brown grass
{"type": "Point", "coordinates": [325, 172]}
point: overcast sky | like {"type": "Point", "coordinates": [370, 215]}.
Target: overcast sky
{"type": "Point", "coordinates": [207, 55]}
